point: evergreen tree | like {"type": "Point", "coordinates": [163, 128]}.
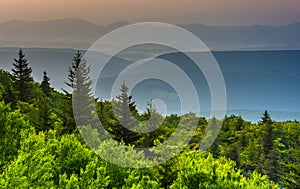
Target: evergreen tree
{"type": "Point", "coordinates": [267, 138]}
{"type": "Point", "coordinates": [45, 85]}
{"type": "Point", "coordinates": [125, 112]}
{"type": "Point", "coordinates": [79, 95]}
{"type": "Point", "coordinates": [127, 106]}
{"type": "Point", "coordinates": [22, 78]}
{"type": "Point", "coordinates": [72, 71]}
{"type": "Point", "coordinates": [154, 118]}
{"type": "Point", "coordinates": [266, 118]}
{"type": "Point", "coordinates": [66, 112]}
{"type": "Point", "coordinates": [82, 99]}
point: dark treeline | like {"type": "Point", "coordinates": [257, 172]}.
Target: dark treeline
{"type": "Point", "coordinates": [41, 147]}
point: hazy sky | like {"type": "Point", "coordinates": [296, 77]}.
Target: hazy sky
{"type": "Point", "coordinates": [219, 12]}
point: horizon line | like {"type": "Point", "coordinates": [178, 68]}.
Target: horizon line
{"type": "Point", "coordinates": [127, 22]}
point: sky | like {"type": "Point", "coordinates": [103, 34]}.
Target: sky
{"type": "Point", "coordinates": [211, 12]}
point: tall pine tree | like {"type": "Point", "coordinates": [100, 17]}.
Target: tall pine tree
{"type": "Point", "coordinates": [266, 118]}
{"type": "Point", "coordinates": [45, 85]}
{"type": "Point", "coordinates": [267, 140]}
{"type": "Point", "coordinates": [80, 89]}
{"type": "Point", "coordinates": [23, 81]}
{"type": "Point", "coordinates": [126, 107]}
{"type": "Point", "coordinates": [82, 98]}
{"type": "Point", "coordinates": [66, 113]}
{"type": "Point", "coordinates": [125, 111]}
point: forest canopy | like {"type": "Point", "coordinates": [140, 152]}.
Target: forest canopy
{"type": "Point", "coordinates": [41, 146]}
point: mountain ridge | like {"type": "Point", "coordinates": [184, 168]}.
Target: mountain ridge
{"type": "Point", "coordinates": [81, 34]}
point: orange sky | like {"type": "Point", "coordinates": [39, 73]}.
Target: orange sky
{"type": "Point", "coordinates": [222, 12]}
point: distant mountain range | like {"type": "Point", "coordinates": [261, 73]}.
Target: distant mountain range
{"type": "Point", "coordinates": [255, 80]}
{"type": "Point", "coordinates": [80, 34]}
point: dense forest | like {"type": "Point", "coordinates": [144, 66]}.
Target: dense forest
{"type": "Point", "coordinates": [41, 146]}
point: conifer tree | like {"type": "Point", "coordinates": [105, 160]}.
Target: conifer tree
{"type": "Point", "coordinates": [66, 113]}
{"type": "Point", "coordinates": [45, 85]}
{"type": "Point", "coordinates": [266, 118]}
{"type": "Point", "coordinates": [126, 107]}
{"type": "Point", "coordinates": [82, 98]}
{"type": "Point", "coordinates": [80, 93]}
{"type": "Point", "coordinates": [125, 111]}
{"type": "Point", "coordinates": [267, 140]}
{"type": "Point", "coordinates": [154, 118]}
{"type": "Point", "coordinates": [22, 78]}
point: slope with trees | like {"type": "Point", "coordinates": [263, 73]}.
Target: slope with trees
{"type": "Point", "coordinates": [41, 148]}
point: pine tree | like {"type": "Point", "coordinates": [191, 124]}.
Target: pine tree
{"type": "Point", "coordinates": [79, 95]}
{"type": "Point", "coordinates": [267, 138]}
{"type": "Point", "coordinates": [154, 118]}
{"type": "Point", "coordinates": [66, 112]}
{"type": "Point", "coordinates": [45, 85]}
{"type": "Point", "coordinates": [82, 98]}
{"type": "Point", "coordinates": [22, 78]}
{"type": "Point", "coordinates": [266, 118]}
{"type": "Point", "coordinates": [72, 70]}
{"type": "Point", "coordinates": [125, 110]}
